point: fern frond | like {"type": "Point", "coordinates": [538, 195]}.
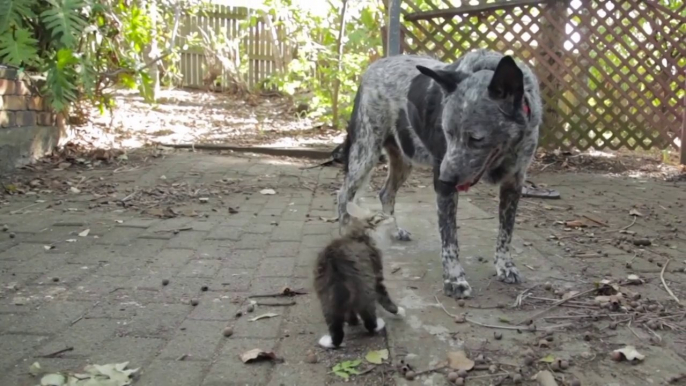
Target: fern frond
{"type": "Point", "coordinates": [64, 20]}
{"type": "Point", "coordinates": [18, 48]}
{"type": "Point", "coordinates": [14, 11]}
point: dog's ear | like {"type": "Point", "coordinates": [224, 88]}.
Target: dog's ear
{"type": "Point", "coordinates": [507, 83]}
{"type": "Point", "coordinates": [446, 79]}
{"type": "Point", "coordinates": [356, 211]}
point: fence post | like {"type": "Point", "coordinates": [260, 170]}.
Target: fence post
{"type": "Point", "coordinates": [552, 39]}
{"type": "Point", "coordinates": [393, 32]}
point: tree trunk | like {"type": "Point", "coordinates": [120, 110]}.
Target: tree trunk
{"type": "Point", "coordinates": [337, 82]}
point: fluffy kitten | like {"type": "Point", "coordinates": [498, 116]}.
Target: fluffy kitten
{"type": "Point", "coordinates": [348, 276]}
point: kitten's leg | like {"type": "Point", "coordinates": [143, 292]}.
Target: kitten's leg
{"type": "Point", "coordinates": [385, 299]}
{"type": "Point", "coordinates": [371, 322]}
{"type": "Point", "coordinates": [398, 172]}
{"type": "Point", "coordinates": [335, 323]}
{"type": "Point", "coordinates": [353, 320]}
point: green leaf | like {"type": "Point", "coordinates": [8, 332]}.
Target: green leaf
{"type": "Point", "coordinates": [341, 374]}
{"type": "Point", "coordinates": [14, 11]}
{"type": "Point", "coordinates": [377, 357]}
{"type": "Point", "coordinates": [548, 359]}
{"type": "Point", "coordinates": [64, 20]}
{"type": "Point", "coordinates": [53, 380]}
{"type": "Point", "coordinates": [18, 49]}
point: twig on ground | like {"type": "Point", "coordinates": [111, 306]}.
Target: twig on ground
{"type": "Point", "coordinates": [630, 225]}
{"type": "Point", "coordinates": [521, 296]}
{"type": "Point", "coordinates": [22, 209]}
{"type": "Point", "coordinates": [431, 370]}
{"type": "Point", "coordinates": [182, 357]}
{"type": "Point", "coordinates": [477, 218]}
{"type": "Point", "coordinates": [175, 230]}
{"type": "Point", "coordinates": [129, 196]}
{"type": "Point", "coordinates": [270, 304]}
{"type": "Point", "coordinates": [632, 330]}
{"type": "Point", "coordinates": [285, 292]}
{"type": "Point", "coordinates": [56, 353]}
{"type": "Point", "coordinates": [544, 312]}
{"type": "Point", "coordinates": [664, 283]}
{"type": "Point", "coordinates": [595, 220]}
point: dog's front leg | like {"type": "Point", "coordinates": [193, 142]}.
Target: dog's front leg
{"type": "Point", "coordinates": [454, 278]}
{"type": "Point", "coordinates": [510, 192]}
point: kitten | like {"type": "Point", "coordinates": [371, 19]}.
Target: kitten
{"type": "Point", "coordinates": [348, 276]}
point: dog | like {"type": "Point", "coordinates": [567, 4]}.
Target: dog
{"type": "Point", "coordinates": [477, 118]}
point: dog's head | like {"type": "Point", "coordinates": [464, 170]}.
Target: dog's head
{"type": "Point", "coordinates": [483, 113]}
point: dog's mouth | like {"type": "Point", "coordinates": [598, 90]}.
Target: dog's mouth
{"type": "Point", "coordinates": [467, 185]}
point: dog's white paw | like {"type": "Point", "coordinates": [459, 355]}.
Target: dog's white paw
{"type": "Point", "coordinates": [457, 289]}
{"type": "Point", "coordinates": [380, 324]}
{"type": "Point", "coordinates": [507, 272]}
{"type": "Point", "coordinates": [326, 342]}
{"type": "Point", "coordinates": [401, 312]}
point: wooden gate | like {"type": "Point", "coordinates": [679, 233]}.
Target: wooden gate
{"type": "Point", "coordinates": [612, 73]}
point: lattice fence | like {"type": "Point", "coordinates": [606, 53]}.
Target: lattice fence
{"type": "Point", "coordinates": [612, 72]}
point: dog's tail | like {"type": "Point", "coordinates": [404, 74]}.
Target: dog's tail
{"type": "Point", "coordinates": [351, 130]}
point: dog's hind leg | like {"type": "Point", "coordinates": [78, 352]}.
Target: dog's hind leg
{"type": "Point", "coordinates": [399, 170]}
{"type": "Point", "coordinates": [364, 153]}
{"type": "Point", "coordinates": [510, 193]}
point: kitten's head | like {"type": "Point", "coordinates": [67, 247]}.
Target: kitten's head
{"type": "Point", "coordinates": [377, 225]}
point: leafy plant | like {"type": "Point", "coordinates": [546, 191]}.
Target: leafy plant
{"type": "Point", "coordinates": [346, 369]}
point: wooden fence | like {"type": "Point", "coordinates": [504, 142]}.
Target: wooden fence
{"type": "Point", "coordinates": [612, 72]}
{"type": "Point", "coordinates": [255, 40]}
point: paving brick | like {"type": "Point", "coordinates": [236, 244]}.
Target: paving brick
{"type": "Point", "coordinates": [283, 249]}
{"type": "Point", "coordinates": [120, 236]}
{"type": "Point", "coordinates": [303, 271]}
{"type": "Point", "coordinates": [141, 248]}
{"type": "Point", "coordinates": [317, 228]}
{"type": "Point", "coordinates": [142, 223]}
{"type": "Point", "coordinates": [123, 266]}
{"type": "Point", "coordinates": [179, 288]}
{"type": "Point", "coordinates": [49, 319]}
{"type": "Point", "coordinates": [278, 266]}
{"type": "Point", "coordinates": [200, 268]}
{"type": "Point", "coordinates": [288, 231]}
{"type": "Point", "coordinates": [67, 274]}
{"type": "Point", "coordinates": [197, 339]}
{"type": "Point", "coordinates": [214, 249]}
{"type": "Point", "coordinates": [271, 212]}
{"type": "Point", "coordinates": [295, 212]}
{"type": "Point", "coordinates": [307, 310]}
{"type": "Point", "coordinates": [229, 370]}
{"type": "Point", "coordinates": [251, 241]}
{"type": "Point", "coordinates": [235, 279]}
{"type": "Point", "coordinates": [137, 351]}
{"type": "Point", "coordinates": [86, 337]}
{"type": "Point", "coordinates": [172, 373]}
{"type": "Point", "coordinates": [156, 320]}
{"type": "Point", "coordinates": [258, 228]}
{"type": "Point", "coordinates": [21, 251]}
{"type": "Point", "coordinates": [187, 240]}
{"type": "Point", "coordinates": [316, 241]}
{"type": "Point", "coordinates": [276, 284]}
{"type": "Point", "coordinates": [41, 263]}
{"type": "Point", "coordinates": [15, 347]}
{"type": "Point", "coordinates": [214, 306]}
{"type": "Point", "coordinates": [171, 258]}
{"type": "Point", "coordinates": [95, 287]}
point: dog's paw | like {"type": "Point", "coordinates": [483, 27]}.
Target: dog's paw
{"type": "Point", "coordinates": [508, 273]}
{"type": "Point", "coordinates": [380, 324]}
{"type": "Point", "coordinates": [458, 288]}
{"type": "Point", "coordinates": [401, 313]}
{"type": "Point", "coordinates": [403, 235]}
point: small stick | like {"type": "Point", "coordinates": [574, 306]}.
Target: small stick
{"type": "Point", "coordinates": [630, 225]}
{"type": "Point", "coordinates": [287, 292]}
{"type": "Point", "coordinates": [129, 196]}
{"type": "Point", "coordinates": [22, 209]}
{"type": "Point", "coordinates": [664, 283]}
{"type": "Point", "coordinates": [175, 230]}
{"type": "Point", "coordinates": [56, 353]}
{"type": "Point", "coordinates": [182, 357]}
{"type": "Point", "coordinates": [439, 368]}
{"type": "Point", "coordinates": [595, 221]}
{"type": "Point", "coordinates": [276, 304]}
{"type": "Point", "coordinates": [488, 376]}
{"type": "Point", "coordinates": [538, 315]}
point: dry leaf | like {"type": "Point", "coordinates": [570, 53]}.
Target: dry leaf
{"type": "Point", "coordinates": [569, 295]}
{"type": "Point", "coordinates": [575, 224]}
{"type": "Point", "coordinates": [85, 233]}
{"type": "Point", "coordinates": [634, 212]}
{"type": "Point", "coordinates": [257, 354]}
{"type": "Point", "coordinates": [74, 190]}
{"type": "Point", "coordinates": [268, 191]}
{"type": "Point", "coordinates": [377, 356]}
{"type": "Point", "coordinates": [458, 360]}
{"type": "Point", "coordinates": [630, 353]}
{"type": "Point", "coordinates": [634, 279]}
{"type": "Point", "coordinates": [328, 219]}
{"type": "Point", "coordinates": [264, 316]}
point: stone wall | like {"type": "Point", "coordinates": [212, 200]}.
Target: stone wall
{"type": "Point", "coordinates": [28, 127]}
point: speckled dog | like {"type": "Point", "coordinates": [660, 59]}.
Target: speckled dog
{"type": "Point", "coordinates": [477, 117]}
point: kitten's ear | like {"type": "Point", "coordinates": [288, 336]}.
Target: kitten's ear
{"type": "Point", "coordinates": [356, 211]}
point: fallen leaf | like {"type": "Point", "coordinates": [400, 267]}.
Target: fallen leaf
{"type": "Point", "coordinates": [119, 221]}
{"type": "Point", "coordinates": [48, 247]}
{"type": "Point", "coordinates": [74, 190]}
{"type": "Point", "coordinates": [85, 233]}
{"type": "Point", "coordinates": [634, 279]}
{"type": "Point", "coordinates": [503, 319]}
{"type": "Point", "coordinates": [53, 380]}
{"type": "Point", "coordinates": [377, 356]}
{"type": "Point", "coordinates": [264, 316]}
{"type": "Point", "coordinates": [569, 294]}
{"type": "Point", "coordinates": [547, 359]}
{"type": "Point", "coordinates": [630, 353]}
{"type": "Point", "coordinates": [64, 165]}
{"type": "Point", "coordinates": [575, 224]}
{"type": "Point", "coordinates": [328, 219]}
{"type": "Point", "coordinates": [257, 354]}
{"type": "Point", "coordinates": [268, 191]}
{"type": "Point", "coordinates": [543, 343]}
{"type": "Point", "coordinates": [155, 212]}
{"type": "Point", "coordinates": [634, 212]}
{"type": "Point", "coordinates": [71, 240]}
{"type": "Point", "coordinates": [35, 369]}
{"type": "Point", "coordinates": [346, 368]}
{"type": "Point", "coordinates": [458, 360]}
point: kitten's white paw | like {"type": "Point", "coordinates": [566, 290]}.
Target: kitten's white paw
{"type": "Point", "coordinates": [401, 312]}
{"type": "Point", "coordinates": [380, 324]}
{"type": "Point", "coordinates": [326, 341]}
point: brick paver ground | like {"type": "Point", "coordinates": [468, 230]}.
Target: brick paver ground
{"type": "Point", "coordinates": [103, 294]}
